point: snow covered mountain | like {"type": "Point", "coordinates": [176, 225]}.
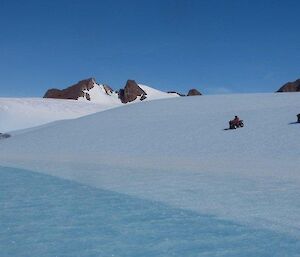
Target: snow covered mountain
{"type": "Point", "coordinates": [86, 90]}
{"type": "Point", "coordinates": [90, 90]}
{"type": "Point", "coordinates": [23, 113]}
{"type": "Point", "coordinates": [134, 92]}
{"type": "Point", "coordinates": [159, 178]}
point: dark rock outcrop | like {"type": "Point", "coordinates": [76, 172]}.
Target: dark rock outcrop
{"type": "Point", "coordinates": [298, 117]}
{"type": "Point", "coordinates": [290, 87]}
{"type": "Point", "coordinates": [193, 92]}
{"type": "Point", "coordinates": [3, 136]}
{"type": "Point", "coordinates": [131, 91]}
{"type": "Point", "coordinates": [74, 91]}
{"type": "Point", "coordinates": [108, 89]}
{"type": "Point", "coordinates": [174, 92]}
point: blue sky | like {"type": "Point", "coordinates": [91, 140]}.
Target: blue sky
{"type": "Point", "coordinates": [216, 46]}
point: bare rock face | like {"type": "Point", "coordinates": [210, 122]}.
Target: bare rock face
{"type": "Point", "coordinates": [72, 92]}
{"type": "Point", "coordinates": [193, 92]}
{"type": "Point", "coordinates": [290, 87]}
{"type": "Point", "coordinates": [108, 89]}
{"type": "Point", "coordinates": [131, 91]}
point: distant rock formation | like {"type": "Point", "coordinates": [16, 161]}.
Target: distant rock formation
{"type": "Point", "coordinates": [174, 92]}
{"type": "Point", "coordinates": [193, 92]}
{"type": "Point", "coordinates": [290, 87]}
{"type": "Point", "coordinates": [90, 90]}
{"type": "Point", "coordinates": [3, 136]}
{"type": "Point", "coordinates": [74, 91]}
{"type": "Point", "coordinates": [131, 92]}
{"type": "Point", "coordinates": [108, 89]}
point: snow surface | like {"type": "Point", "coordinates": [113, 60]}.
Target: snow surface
{"type": "Point", "coordinates": [22, 113]}
{"type": "Point", "coordinates": [99, 95]}
{"type": "Point", "coordinates": [154, 94]}
{"type": "Point", "coordinates": [175, 158]}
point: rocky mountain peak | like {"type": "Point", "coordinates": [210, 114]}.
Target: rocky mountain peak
{"type": "Point", "coordinates": [131, 91]}
{"type": "Point", "coordinates": [73, 92]}
{"type": "Point", "coordinates": [290, 87]}
{"type": "Point", "coordinates": [193, 92]}
{"type": "Point", "coordinates": [89, 89]}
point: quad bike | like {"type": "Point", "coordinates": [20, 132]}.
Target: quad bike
{"type": "Point", "coordinates": [233, 125]}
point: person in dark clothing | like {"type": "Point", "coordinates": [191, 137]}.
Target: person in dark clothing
{"type": "Point", "coordinates": [234, 123]}
{"type": "Point", "coordinates": [236, 120]}
{"type": "Point", "coordinates": [298, 116]}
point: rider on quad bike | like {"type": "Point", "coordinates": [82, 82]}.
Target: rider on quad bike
{"type": "Point", "coordinates": [236, 123]}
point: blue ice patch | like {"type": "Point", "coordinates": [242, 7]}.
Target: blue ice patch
{"type": "Point", "coordinates": [45, 216]}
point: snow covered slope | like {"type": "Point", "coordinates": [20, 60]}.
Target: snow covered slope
{"type": "Point", "coordinates": [175, 151]}
{"type": "Point", "coordinates": [101, 94]}
{"type": "Point", "coordinates": [180, 145]}
{"type": "Point", "coordinates": [154, 94]}
{"type": "Point", "coordinates": [21, 113]}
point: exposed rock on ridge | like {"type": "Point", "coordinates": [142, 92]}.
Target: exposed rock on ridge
{"type": "Point", "coordinates": [290, 87]}
{"type": "Point", "coordinates": [72, 92]}
{"type": "Point", "coordinates": [4, 135]}
{"type": "Point", "coordinates": [174, 92]}
{"type": "Point", "coordinates": [90, 90]}
{"type": "Point", "coordinates": [131, 92]}
{"type": "Point", "coordinates": [193, 92]}
{"type": "Point", "coordinates": [108, 89]}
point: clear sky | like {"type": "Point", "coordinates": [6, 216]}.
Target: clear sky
{"type": "Point", "coordinates": [216, 46]}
